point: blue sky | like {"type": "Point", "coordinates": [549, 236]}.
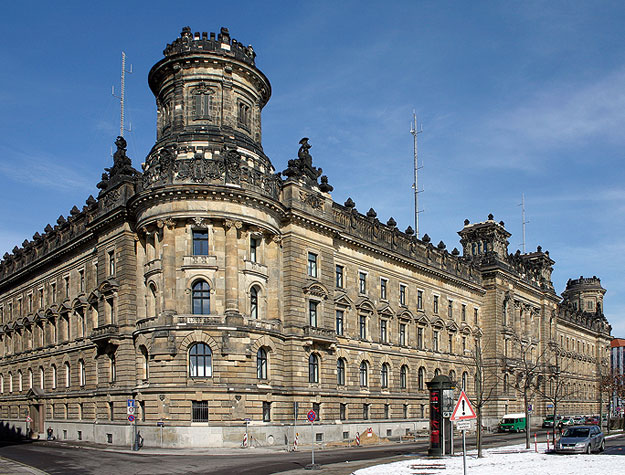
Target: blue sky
{"type": "Point", "coordinates": [514, 97]}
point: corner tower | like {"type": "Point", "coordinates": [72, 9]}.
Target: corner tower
{"type": "Point", "coordinates": [209, 96]}
{"type": "Point", "coordinates": [585, 294]}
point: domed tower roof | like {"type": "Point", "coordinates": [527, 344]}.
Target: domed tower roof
{"type": "Point", "coordinates": [209, 96]}
{"type": "Point", "coordinates": [585, 294]}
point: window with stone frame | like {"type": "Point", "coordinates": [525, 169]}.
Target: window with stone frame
{"type": "Point", "coordinates": [435, 305]}
{"type": "Point", "coordinates": [402, 334]}
{"type": "Point", "coordinates": [362, 327]}
{"type": "Point", "coordinates": [387, 411]}
{"type": "Point", "coordinates": [254, 292]}
{"type": "Point", "coordinates": [313, 368]}
{"type": "Point", "coordinates": [403, 377]}
{"type": "Point", "coordinates": [383, 286]}
{"type": "Point", "coordinates": [200, 242]}
{"type": "Point", "coordinates": [266, 411]}
{"type": "Point", "coordinates": [420, 338]}
{"type": "Point", "coordinates": [384, 375]}
{"type": "Point", "coordinates": [340, 275]}
{"type": "Point", "coordinates": [254, 246]}
{"type": "Point", "coordinates": [313, 307]}
{"type": "Point", "coordinates": [343, 411]}
{"type": "Point", "coordinates": [200, 298]}
{"type": "Point", "coordinates": [340, 372]}
{"type": "Point", "coordinates": [340, 320]}
{"type": "Point", "coordinates": [312, 265]}
{"type": "Point", "coordinates": [261, 363]}
{"type": "Point", "coordinates": [450, 308]}
{"type": "Point", "coordinates": [419, 299]}
{"type": "Point", "coordinates": [364, 374]}
{"type": "Point", "coordinates": [199, 411]}
{"type": "Point", "coordinates": [383, 330]}
{"type": "Point", "coordinates": [201, 103]}
{"type": "Point", "coordinates": [402, 294]}
{"type": "Point", "coordinates": [244, 116]}
{"type": "Point", "coordinates": [435, 340]}
{"type": "Point", "coordinates": [365, 411]}
{"type": "Point", "coordinates": [362, 282]}
{"type": "Point", "coordinates": [112, 263]}
{"type": "Point", "coordinates": [317, 408]}
{"type": "Point", "coordinates": [464, 313]}
{"type": "Point", "coordinates": [200, 361]}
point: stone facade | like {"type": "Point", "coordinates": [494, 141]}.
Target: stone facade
{"type": "Point", "coordinates": [212, 289]}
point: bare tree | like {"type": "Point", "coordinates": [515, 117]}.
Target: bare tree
{"type": "Point", "coordinates": [485, 384]}
{"type": "Point", "coordinates": [527, 368]}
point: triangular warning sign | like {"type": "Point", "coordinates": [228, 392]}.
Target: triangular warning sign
{"type": "Point", "coordinates": [463, 410]}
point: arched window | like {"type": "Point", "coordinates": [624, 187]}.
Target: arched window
{"type": "Point", "coordinates": [67, 375]}
{"type": "Point", "coordinates": [20, 380]}
{"type": "Point", "coordinates": [437, 372]}
{"type": "Point", "coordinates": [83, 373]}
{"type": "Point", "coordinates": [505, 313]}
{"type": "Point", "coordinates": [42, 377]}
{"type": "Point", "coordinates": [452, 375]}
{"type": "Point", "coordinates": [53, 376]}
{"type": "Point", "coordinates": [30, 378]}
{"type": "Point", "coordinates": [152, 295]}
{"type": "Point", "coordinates": [313, 368]}
{"type": "Point", "coordinates": [2, 383]}
{"type": "Point", "coordinates": [465, 380]}
{"type": "Point", "coordinates": [112, 368]}
{"type": "Point", "coordinates": [200, 295]}
{"type": "Point", "coordinates": [384, 375]}
{"type": "Point", "coordinates": [254, 302]}
{"type": "Point", "coordinates": [261, 364]}
{"type": "Point", "coordinates": [364, 374]}
{"type": "Point", "coordinates": [340, 372]}
{"type": "Point", "coordinates": [421, 378]}
{"type": "Point", "coordinates": [200, 361]}
{"type": "Point", "coordinates": [10, 382]}
{"type": "Point", "coordinates": [403, 377]}
{"type": "Point", "coordinates": [145, 360]}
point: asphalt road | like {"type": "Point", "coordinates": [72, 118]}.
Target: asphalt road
{"type": "Point", "coordinates": [59, 459]}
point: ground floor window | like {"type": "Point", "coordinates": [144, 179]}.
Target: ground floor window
{"type": "Point", "coordinates": [266, 411]}
{"type": "Point", "coordinates": [199, 411]}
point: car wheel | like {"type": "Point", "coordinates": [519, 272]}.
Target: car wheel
{"type": "Point", "coordinates": [588, 449]}
{"type": "Point", "coordinates": [602, 446]}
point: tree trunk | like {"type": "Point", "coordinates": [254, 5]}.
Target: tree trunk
{"type": "Point", "coordinates": [479, 432]}
{"type": "Point", "coordinates": [527, 421]}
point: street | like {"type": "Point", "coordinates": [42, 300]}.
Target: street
{"type": "Point", "coordinates": [59, 458]}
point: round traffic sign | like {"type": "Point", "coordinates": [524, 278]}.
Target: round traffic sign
{"type": "Point", "coordinates": [131, 418]}
{"type": "Point", "coordinates": [311, 416]}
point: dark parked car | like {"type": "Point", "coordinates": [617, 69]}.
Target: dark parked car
{"type": "Point", "coordinates": [581, 440]}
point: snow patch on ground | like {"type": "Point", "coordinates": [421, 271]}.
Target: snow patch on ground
{"type": "Point", "coordinates": [511, 460]}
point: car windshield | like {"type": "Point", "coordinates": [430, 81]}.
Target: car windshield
{"type": "Point", "coordinates": [576, 432]}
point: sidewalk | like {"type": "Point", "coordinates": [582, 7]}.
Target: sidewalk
{"type": "Point", "coordinates": [10, 467]}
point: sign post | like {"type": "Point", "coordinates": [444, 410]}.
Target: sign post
{"type": "Point", "coordinates": [463, 413]}
{"type": "Point", "coordinates": [130, 409]}
{"type": "Point", "coordinates": [312, 415]}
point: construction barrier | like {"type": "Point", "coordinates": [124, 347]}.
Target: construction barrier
{"type": "Point", "coordinates": [296, 441]}
{"type": "Point", "coordinates": [357, 439]}
{"type": "Point", "coordinates": [244, 443]}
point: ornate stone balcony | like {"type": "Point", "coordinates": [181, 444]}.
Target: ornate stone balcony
{"type": "Point", "coordinates": [255, 268]}
{"type": "Point", "coordinates": [152, 267]}
{"type": "Point", "coordinates": [105, 332]}
{"type": "Point", "coordinates": [320, 335]}
{"type": "Point", "coordinates": [193, 262]}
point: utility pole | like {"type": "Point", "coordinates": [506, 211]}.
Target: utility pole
{"type": "Point", "coordinates": [122, 96]}
{"type": "Point", "coordinates": [414, 130]}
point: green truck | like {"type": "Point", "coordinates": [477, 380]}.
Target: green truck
{"type": "Point", "coordinates": [512, 423]}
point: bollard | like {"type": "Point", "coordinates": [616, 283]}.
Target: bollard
{"type": "Point", "coordinates": [295, 441]}
{"type": "Point", "coordinates": [535, 443]}
{"type": "Point", "coordinates": [358, 439]}
{"type": "Point", "coordinates": [244, 444]}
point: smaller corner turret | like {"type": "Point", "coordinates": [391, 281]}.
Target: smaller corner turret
{"type": "Point", "coordinates": [479, 239]}
{"type": "Point", "coordinates": [585, 294]}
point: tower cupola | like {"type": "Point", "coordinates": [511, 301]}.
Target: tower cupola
{"type": "Point", "coordinates": [478, 239]}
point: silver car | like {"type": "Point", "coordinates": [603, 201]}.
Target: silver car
{"type": "Point", "coordinates": [581, 440]}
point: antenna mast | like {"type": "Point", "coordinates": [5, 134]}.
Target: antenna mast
{"type": "Point", "coordinates": [523, 221]}
{"type": "Point", "coordinates": [122, 96]}
{"type": "Point", "coordinates": [414, 130]}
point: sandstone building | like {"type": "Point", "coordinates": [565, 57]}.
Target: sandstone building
{"type": "Point", "coordinates": [213, 289]}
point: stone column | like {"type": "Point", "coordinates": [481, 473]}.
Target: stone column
{"type": "Point", "coordinates": [231, 264]}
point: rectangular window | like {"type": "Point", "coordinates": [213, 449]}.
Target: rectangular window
{"type": "Point", "coordinates": [200, 242]}
{"type": "Point", "coordinates": [405, 411]}
{"type": "Point", "coordinates": [66, 282]}
{"type": "Point", "coordinates": [402, 295]}
{"type": "Point", "coordinates": [365, 412]}
{"type": "Point", "coordinates": [450, 308]}
{"type": "Point", "coordinates": [362, 282]}
{"type": "Point", "coordinates": [383, 283]}
{"type": "Point", "coordinates": [339, 322]}
{"type": "Point", "coordinates": [53, 291]}
{"type": "Point", "coordinates": [475, 315]}
{"type": "Point", "coordinates": [339, 277]}
{"type": "Point", "coordinates": [81, 274]}
{"type": "Point", "coordinates": [363, 327]}
{"type": "Point", "coordinates": [436, 304]}
{"type": "Point", "coordinates": [387, 411]}
{"type": "Point", "coordinates": [435, 340]}
{"type": "Point", "coordinates": [312, 264]}
{"type": "Point", "coordinates": [40, 298]}
{"type": "Point", "coordinates": [317, 408]}
{"type": "Point", "coordinates": [312, 313]}
{"type": "Point", "coordinates": [199, 411]}
{"type": "Point", "coordinates": [451, 343]}
{"type": "Point", "coordinates": [383, 333]}
{"type": "Point", "coordinates": [254, 249]}
{"type": "Point", "coordinates": [420, 338]}
{"type": "Point", "coordinates": [30, 303]}
{"type": "Point", "coordinates": [343, 411]}
{"type": "Point", "coordinates": [111, 262]}
{"type": "Point", "coordinates": [419, 299]}
{"type": "Point", "coordinates": [402, 334]}
{"type": "Point", "coordinates": [464, 344]}
{"type": "Point", "coordinates": [266, 411]}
